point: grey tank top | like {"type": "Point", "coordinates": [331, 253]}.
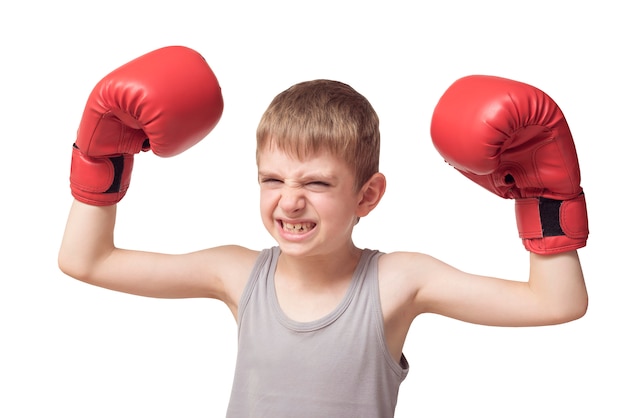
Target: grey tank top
{"type": "Point", "coordinates": [336, 366]}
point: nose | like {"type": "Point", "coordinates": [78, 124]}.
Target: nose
{"type": "Point", "coordinates": [292, 200]}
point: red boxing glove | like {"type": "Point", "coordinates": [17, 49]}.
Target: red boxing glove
{"type": "Point", "coordinates": [512, 139]}
{"type": "Point", "coordinates": [166, 100]}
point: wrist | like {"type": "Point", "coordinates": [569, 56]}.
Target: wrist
{"type": "Point", "coordinates": [550, 226]}
{"type": "Point", "coordinates": [100, 181]}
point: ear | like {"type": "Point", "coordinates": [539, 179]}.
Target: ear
{"type": "Point", "coordinates": [371, 193]}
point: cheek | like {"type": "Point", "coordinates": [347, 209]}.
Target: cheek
{"type": "Point", "coordinates": [267, 202]}
{"type": "Point", "coordinates": [266, 211]}
{"type": "Point", "coordinates": [335, 207]}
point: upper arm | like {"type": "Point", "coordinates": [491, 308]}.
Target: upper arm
{"type": "Point", "coordinates": [554, 292]}
{"type": "Point", "coordinates": [88, 253]}
{"type": "Point", "coordinates": [219, 273]}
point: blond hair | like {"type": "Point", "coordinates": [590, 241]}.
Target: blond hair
{"type": "Point", "coordinates": [323, 115]}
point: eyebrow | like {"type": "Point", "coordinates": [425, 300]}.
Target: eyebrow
{"type": "Point", "coordinates": [302, 179]}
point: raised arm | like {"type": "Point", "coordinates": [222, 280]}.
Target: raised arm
{"type": "Point", "coordinates": [513, 140]}
{"type": "Point", "coordinates": [164, 101]}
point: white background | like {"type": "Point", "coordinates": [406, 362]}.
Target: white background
{"type": "Point", "coordinates": [71, 350]}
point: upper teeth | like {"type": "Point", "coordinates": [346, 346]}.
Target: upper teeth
{"type": "Point", "coordinates": [297, 227]}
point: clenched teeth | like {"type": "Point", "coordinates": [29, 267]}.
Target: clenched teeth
{"type": "Point", "coordinates": [299, 227]}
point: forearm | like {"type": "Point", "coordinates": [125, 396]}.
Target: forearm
{"type": "Point", "coordinates": [557, 280]}
{"type": "Point", "coordinates": [88, 239]}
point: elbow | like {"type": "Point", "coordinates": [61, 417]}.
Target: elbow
{"type": "Point", "coordinates": [581, 309]}
{"type": "Point", "coordinates": [579, 306]}
{"type": "Point", "coordinates": [574, 315]}
{"type": "Point", "coordinates": [64, 262]}
{"type": "Point", "coordinates": [572, 311]}
{"type": "Point", "coordinates": [70, 266]}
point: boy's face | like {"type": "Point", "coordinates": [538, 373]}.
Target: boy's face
{"type": "Point", "coordinates": [309, 206]}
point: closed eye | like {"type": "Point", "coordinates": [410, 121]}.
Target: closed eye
{"type": "Point", "coordinates": [270, 180]}
{"type": "Point", "coordinates": [318, 186]}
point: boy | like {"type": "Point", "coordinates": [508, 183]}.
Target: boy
{"type": "Point", "coordinates": [322, 323]}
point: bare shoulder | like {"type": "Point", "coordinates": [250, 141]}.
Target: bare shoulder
{"type": "Point", "coordinates": [400, 276]}
{"type": "Point", "coordinates": [411, 266]}
{"type": "Point", "coordinates": [229, 266]}
{"type": "Point", "coordinates": [404, 275]}
{"type": "Point", "coordinates": [236, 262]}
{"type": "Point", "coordinates": [234, 256]}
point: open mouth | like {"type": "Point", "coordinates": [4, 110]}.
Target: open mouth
{"type": "Point", "coordinates": [297, 228]}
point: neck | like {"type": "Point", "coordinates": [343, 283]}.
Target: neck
{"type": "Point", "coordinates": [320, 269]}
